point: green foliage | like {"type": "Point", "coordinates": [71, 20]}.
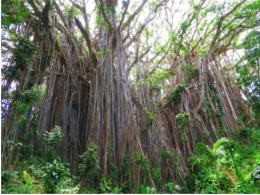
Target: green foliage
{"type": "Point", "coordinates": [244, 133]}
{"type": "Point", "coordinates": [108, 9]}
{"type": "Point", "coordinates": [105, 185]}
{"type": "Point", "coordinates": [151, 117]}
{"type": "Point", "coordinates": [69, 185]}
{"type": "Point", "coordinates": [183, 119]}
{"type": "Point", "coordinates": [190, 72]}
{"type": "Point", "coordinates": [100, 21]}
{"type": "Point", "coordinates": [90, 164]}
{"type": "Point", "coordinates": [170, 188]}
{"type": "Point", "coordinates": [114, 170]}
{"type": "Point", "coordinates": [175, 95]}
{"type": "Point", "coordinates": [255, 175]}
{"type": "Point", "coordinates": [14, 144]}
{"type": "Point", "coordinates": [27, 98]}
{"type": "Point", "coordinates": [115, 191]}
{"type": "Point", "coordinates": [31, 170]}
{"type": "Point", "coordinates": [245, 188]}
{"type": "Point", "coordinates": [7, 175]}
{"type": "Point", "coordinates": [125, 169]}
{"type": "Point", "coordinates": [35, 94]}
{"type": "Point", "coordinates": [248, 70]}
{"type": "Point", "coordinates": [216, 151]}
{"type": "Point", "coordinates": [165, 155]}
{"type": "Point", "coordinates": [20, 188]}
{"type": "Point", "coordinates": [145, 190]}
{"type": "Point", "coordinates": [27, 178]}
{"type": "Point", "coordinates": [183, 122]}
{"type": "Point", "coordinates": [156, 174]}
{"type": "Point", "coordinates": [157, 80]}
{"type": "Point", "coordinates": [53, 139]}
{"type": "Point", "coordinates": [32, 165]}
{"type": "Point", "coordinates": [23, 50]}
{"type": "Point", "coordinates": [239, 161]}
{"type": "Point", "coordinates": [27, 151]}
{"type": "Point", "coordinates": [54, 136]}
{"type": "Point", "coordinates": [53, 173]}
{"type": "Point", "coordinates": [205, 166]}
{"type": "Point", "coordinates": [13, 12]}
{"type": "Point", "coordinates": [142, 161]}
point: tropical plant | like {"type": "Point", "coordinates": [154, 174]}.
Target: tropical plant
{"type": "Point", "coordinates": [105, 185]}
{"type": "Point", "coordinates": [90, 163]}
{"type": "Point", "coordinates": [115, 191]}
{"type": "Point", "coordinates": [53, 139]}
{"type": "Point", "coordinates": [20, 188]}
{"type": "Point", "coordinates": [156, 176]}
{"type": "Point", "coordinates": [125, 168]}
{"type": "Point", "coordinates": [53, 173]}
{"type": "Point", "coordinates": [171, 188]}
{"type": "Point", "coordinates": [147, 190]}
{"type": "Point", "coordinates": [214, 152]}
{"type": "Point", "coordinates": [27, 178]}
{"type": "Point", "coordinates": [142, 161]}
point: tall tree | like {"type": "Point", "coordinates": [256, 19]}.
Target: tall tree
{"type": "Point", "coordinates": [121, 73]}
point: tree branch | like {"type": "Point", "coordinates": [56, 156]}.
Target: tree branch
{"type": "Point", "coordinates": [35, 8]}
{"type": "Point", "coordinates": [123, 17]}
{"type": "Point", "coordinates": [105, 16]}
{"type": "Point", "coordinates": [219, 25]}
{"type": "Point", "coordinates": [77, 6]}
{"type": "Point", "coordinates": [186, 26]}
{"type": "Point", "coordinates": [127, 23]}
{"type": "Point", "coordinates": [61, 15]}
{"type": "Point", "coordinates": [86, 36]}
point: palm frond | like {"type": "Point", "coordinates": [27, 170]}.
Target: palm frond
{"type": "Point", "coordinates": [200, 146]}
{"type": "Point", "coordinates": [221, 141]}
{"type": "Point", "coordinates": [220, 150]}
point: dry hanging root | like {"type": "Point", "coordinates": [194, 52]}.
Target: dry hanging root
{"type": "Point", "coordinates": [90, 92]}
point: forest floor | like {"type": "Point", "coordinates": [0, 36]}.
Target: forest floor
{"type": "Point", "coordinates": [27, 177]}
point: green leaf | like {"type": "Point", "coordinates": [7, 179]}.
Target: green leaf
{"type": "Point", "coordinates": [199, 147]}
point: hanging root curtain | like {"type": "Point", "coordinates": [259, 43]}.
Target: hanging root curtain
{"type": "Point", "coordinates": [91, 93]}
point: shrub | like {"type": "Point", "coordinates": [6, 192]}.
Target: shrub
{"type": "Point", "coordinates": [53, 174]}
{"type": "Point", "coordinates": [90, 165]}
{"type": "Point", "coordinates": [53, 139]}
{"type": "Point", "coordinates": [6, 176]}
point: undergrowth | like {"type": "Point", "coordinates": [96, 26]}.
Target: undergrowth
{"type": "Point", "coordinates": [226, 167]}
{"type": "Point", "coordinates": [227, 172]}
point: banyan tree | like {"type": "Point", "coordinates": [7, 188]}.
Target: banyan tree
{"type": "Point", "coordinates": [154, 77]}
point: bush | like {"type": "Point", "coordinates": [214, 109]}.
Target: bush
{"type": "Point", "coordinates": [6, 176]}
{"type": "Point", "coordinates": [53, 174]}
{"type": "Point", "coordinates": [20, 188]}
{"type": "Point", "coordinates": [53, 139]}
